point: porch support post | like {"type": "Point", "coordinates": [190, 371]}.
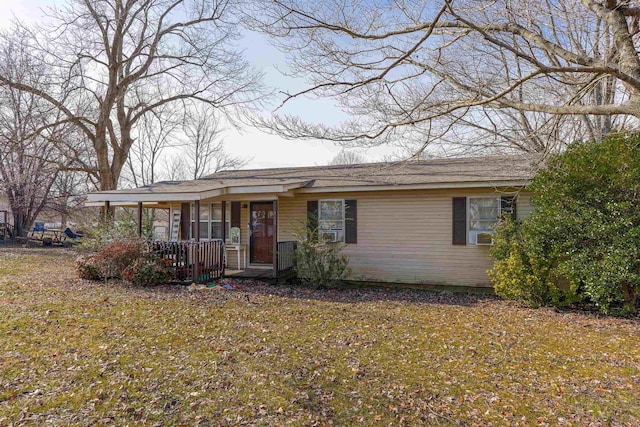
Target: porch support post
{"type": "Point", "coordinates": [105, 213]}
{"type": "Point", "coordinates": [275, 239]}
{"type": "Point", "coordinates": [139, 219]}
{"type": "Point", "coordinates": [224, 237]}
{"type": "Point", "coordinates": [224, 221]}
{"type": "Point", "coordinates": [185, 221]}
{"type": "Point", "coordinates": [196, 258]}
{"type": "Point", "coordinates": [196, 216]}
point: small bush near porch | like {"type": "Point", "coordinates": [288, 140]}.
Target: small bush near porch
{"type": "Point", "coordinates": [75, 352]}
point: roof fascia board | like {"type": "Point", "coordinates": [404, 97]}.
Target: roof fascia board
{"type": "Point", "coordinates": [126, 204]}
{"type": "Point", "coordinates": [434, 186]}
{"type": "Point", "coordinates": [191, 196]}
{"type": "Point", "coordinates": [261, 197]}
{"type": "Point", "coordinates": [256, 189]}
{"type": "Point", "coordinates": [142, 197]}
{"type": "Point", "coordinates": [240, 190]}
{"type": "Point", "coordinates": [273, 191]}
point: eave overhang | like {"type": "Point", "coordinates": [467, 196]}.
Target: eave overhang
{"type": "Point", "coordinates": [146, 195]}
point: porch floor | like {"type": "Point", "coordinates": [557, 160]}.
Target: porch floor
{"type": "Point", "coordinates": [250, 273]}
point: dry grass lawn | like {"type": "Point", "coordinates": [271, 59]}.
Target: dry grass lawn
{"type": "Point", "coordinates": [74, 352]}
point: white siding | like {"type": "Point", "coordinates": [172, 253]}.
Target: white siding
{"type": "Point", "coordinates": [4, 206]}
{"type": "Point", "coordinates": [232, 255]}
{"type": "Point", "coordinates": [404, 236]}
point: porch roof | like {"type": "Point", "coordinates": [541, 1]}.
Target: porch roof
{"type": "Point", "coordinates": [486, 171]}
{"type": "Point", "coordinates": [199, 189]}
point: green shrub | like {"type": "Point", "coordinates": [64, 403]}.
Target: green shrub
{"type": "Point", "coordinates": [320, 263]}
{"type": "Point", "coordinates": [147, 271]}
{"type": "Point", "coordinates": [525, 268]}
{"type": "Point", "coordinates": [584, 232]}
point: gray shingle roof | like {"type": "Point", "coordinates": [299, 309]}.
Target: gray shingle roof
{"type": "Point", "coordinates": [454, 171]}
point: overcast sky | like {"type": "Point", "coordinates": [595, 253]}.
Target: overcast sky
{"type": "Point", "coordinates": [263, 149]}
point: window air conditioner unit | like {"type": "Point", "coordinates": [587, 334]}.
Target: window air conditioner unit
{"type": "Point", "coordinates": [329, 236]}
{"type": "Point", "coordinates": [484, 239]}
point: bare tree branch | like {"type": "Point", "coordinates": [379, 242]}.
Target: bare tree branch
{"type": "Point", "coordinates": [111, 63]}
{"type": "Point", "coordinates": [32, 163]}
{"type": "Point", "coordinates": [458, 71]}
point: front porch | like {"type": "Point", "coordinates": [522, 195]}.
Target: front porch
{"type": "Point", "coordinates": [206, 261]}
{"type": "Point", "coordinates": [217, 245]}
{"type": "Point", "coordinates": [283, 269]}
{"type": "Point", "coordinates": [226, 229]}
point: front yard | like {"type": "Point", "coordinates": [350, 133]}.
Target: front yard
{"type": "Point", "coordinates": [77, 352]}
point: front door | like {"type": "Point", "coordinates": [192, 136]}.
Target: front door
{"type": "Point", "coordinates": [262, 228]}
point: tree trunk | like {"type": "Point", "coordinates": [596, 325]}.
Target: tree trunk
{"type": "Point", "coordinates": [107, 183]}
{"type": "Point", "coordinates": [21, 224]}
{"type": "Point", "coordinates": [64, 214]}
{"type": "Point", "coordinates": [630, 296]}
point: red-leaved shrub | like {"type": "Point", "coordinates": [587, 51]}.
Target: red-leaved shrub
{"type": "Point", "coordinates": [88, 268]}
{"type": "Point", "coordinates": [147, 272]}
{"type": "Point", "coordinates": [111, 260]}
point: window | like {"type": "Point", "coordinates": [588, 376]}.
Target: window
{"type": "Point", "coordinates": [331, 220]}
{"type": "Point", "coordinates": [483, 214]}
{"type": "Point", "coordinates": [210, 221]}
{"type": "Point", "coordinates": [216, 221]}
{"type": "Point", "coordinates": [204, 221]}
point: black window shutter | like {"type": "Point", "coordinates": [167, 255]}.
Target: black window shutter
{"type": "Point", "coordinates": [509, 206]}
{"type": "Point", "coordinates": [312, 219]}
{"type": "Point", "coordinates": [459, 220]}
{"type": "Point", "coordinates": [235, 214]}
{"type": "Point", "coordinates": [351, 221]}
{"type": "Point", "coordinates": [185, 221]}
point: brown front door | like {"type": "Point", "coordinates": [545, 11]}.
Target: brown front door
{"type": "Point", "coordinates": [262, 227]}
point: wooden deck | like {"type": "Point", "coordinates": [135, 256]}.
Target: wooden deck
{"type": "Point", "coordinates": [250, 273]}
{"type": "Point", "coordinates": [262, 274]}
{"type": "Point", "coordinates": [202, 261]}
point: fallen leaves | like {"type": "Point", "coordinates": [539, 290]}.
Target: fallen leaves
{"type": "Point", "coordinates": [78, 352]}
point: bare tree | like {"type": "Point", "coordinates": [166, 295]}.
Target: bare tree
{"type": "Point", "coordinates": [67, 194]}
{"type": "Point", "coordinates": [155, 132]}
{"type": "Point", "coordinates": [520, 74]}
{"type": "Point", "coordinates": [203, 148]}
{"type": "Point", "coordinates": [176, 169]}
{"type": "Point", "coordinates": [115, 61]}
{"type": "Point", "coordinates": [199, 148]}
{"type": "Point", "coordinates": [30, 139]}
{"type": "Point", "coordinates": [346, 157]}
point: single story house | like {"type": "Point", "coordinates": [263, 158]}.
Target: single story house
{"type": "Point", "coordinates": [6, 219]}
{"type": "Point", "coordinates": [419, 222]}
{"type": "Point", "coordinates": [5, 208]}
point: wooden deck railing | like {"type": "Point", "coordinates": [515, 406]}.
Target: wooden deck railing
{"type": "Point", "coordinates": [198, 262]}
{"type": "Point", "coordinates": [203, 262]}
{"type": "Point", "coordinates": [286, 258]}
{"type": "Point", "coordinates": [6, 232]}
